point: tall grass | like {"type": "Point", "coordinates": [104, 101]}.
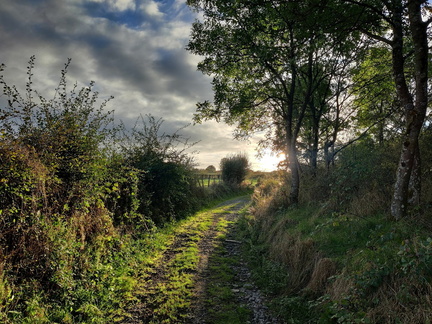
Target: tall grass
{"type": "Point", "coordinates": [337, 257]}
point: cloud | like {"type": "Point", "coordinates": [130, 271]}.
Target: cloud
{"type": "Point", "coordinates": [151, 8]}
{"type": "Point", "coordinates": [117, 5]}
{"type": "Point", "coordinates": [133, 49]}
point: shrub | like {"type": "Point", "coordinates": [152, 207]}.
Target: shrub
{"type": "Point", "coordinates": [53, 183]}
{"type": "Point", "coordinates": [65, 132]}
{"type": "Point", "coordinates": [211, 168]}
{"type": "Point", "coordinates": [363, 178]}
{"type": "Point", "coordinates": [234, 168]}
{"type": "Point", "coordinates": [166, 186]}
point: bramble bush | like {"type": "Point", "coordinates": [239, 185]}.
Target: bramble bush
{"type": "Point", "coordinates": [58, 180]}
{"type": "Point", "coordinates": [166, 184]}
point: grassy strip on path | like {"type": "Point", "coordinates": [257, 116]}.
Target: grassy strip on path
{"type": "Point", "coordinates": [169, 272]}
{"type": "Point", "coordinates": [221, 301]}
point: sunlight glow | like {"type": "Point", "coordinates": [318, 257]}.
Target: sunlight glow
{"type": "Point", "coordinates": [269, 161]}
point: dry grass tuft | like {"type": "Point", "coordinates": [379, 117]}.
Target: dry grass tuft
{"type": "Point", "coordinates": [401, 300]}
{"type": "Point", "coordinates": [369, 202]}
{"type": "Point", "coordinates": [340, 287]}
{"type": "Point", "coordinates": [300, 257]}
{"type": "Point", "coordinates": [323, 270]}
{"type": "Point", "coordinates": [266, 200]}
{"type": "Point", "coordinates": [90, 225]}
{"type": "Point", "coordinates": [397, 301]}
{"type": "Point", "coordinates": [264, 197]}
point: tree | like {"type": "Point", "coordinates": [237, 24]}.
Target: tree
{"type": "Point", "coordinates": [404, 30]}
{"type": "Point", "coordinates": [268, 60]}
{"type": "Point", "coordinates": [211, 168]}
{"type": "Point", "coordinates": [375, 95]}
{"type": "Point", "coordinates": [234, 169]}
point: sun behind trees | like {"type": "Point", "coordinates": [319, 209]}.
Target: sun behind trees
{"type": "Point", "coordinates": [286, 68]}
{"type": "Point", "coordinates": [342, 87]}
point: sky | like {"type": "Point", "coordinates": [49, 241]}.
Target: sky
{"type": "Point", "coordinates": [134, 50]}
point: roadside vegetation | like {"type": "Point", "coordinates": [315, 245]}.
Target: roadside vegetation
{"type": "Point", "coordinates": [342, 89]}
{"type": "Point", "coordinates": [337, 257]}
{"type": "Point", "coordinates": [87, 207]}
{"type": "Point", "coordinates": [96, 220]}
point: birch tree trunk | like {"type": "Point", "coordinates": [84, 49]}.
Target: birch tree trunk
{"type": "Point", "coordinates": [408, 172]}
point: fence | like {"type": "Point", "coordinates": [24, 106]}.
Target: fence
{"type": "Point", "coordinates": [207, 179]}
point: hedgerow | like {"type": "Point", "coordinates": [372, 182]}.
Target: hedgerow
{"type": "Point", "coordinates": [78, 195]}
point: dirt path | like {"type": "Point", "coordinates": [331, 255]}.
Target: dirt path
{"type": "Point", "coordinates": [246, 293]}
{"type": "Point", "coordinates": [199, 312]}
{"type": "Point", "coordinates": [171, 295]}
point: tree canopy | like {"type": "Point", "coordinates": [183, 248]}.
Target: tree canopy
{"type": "Point", "coordinates": [304, 72]}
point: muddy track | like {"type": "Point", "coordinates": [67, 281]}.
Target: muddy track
{"type": "Point", "coordinates": [194, 312]}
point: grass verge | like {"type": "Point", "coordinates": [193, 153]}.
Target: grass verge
{"type": "Point", "coordinates": [335, 268]}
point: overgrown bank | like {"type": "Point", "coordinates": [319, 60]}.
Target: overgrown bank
{"type": "Point", "coordinates": [85, 205]}
{"type": "Point", "coordinates": [338, 257]}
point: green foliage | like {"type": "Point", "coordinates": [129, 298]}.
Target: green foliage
{"type": "Point", "coordinates": [211, 168]}
{"type": "Point", "coordinates": [53, 169]}
{"type": "Point", "coordinates": [234, 169]}
{"type": "Point", "coordinates": [276, 73]}
{"type": "Point", "coordinates": [166, 186]}
{"type": "Point", "coordinates": [379, 267]}
{"type": "Point", "coordinates": [393, 268]}
{"type": "Point", "coordinates": [23, 177]}
{"type": "Point", "coordinates": [121, 195]}
{"type": "Point", "coordinates": [360, 182]}
{"type": "Point", "coordinates": [64, 135]}
{"type": "Point", "coordinates": [76, 204]}
{"type": "Point", "coordinates": [375, 94]}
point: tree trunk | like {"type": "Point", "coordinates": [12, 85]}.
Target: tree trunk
{"type": "Point", "coordinates": [415, 181]}
{"type": "Point", "coordinates": [316, 115]}
{"type": "Point", "coordinates": [409, 164]}
{"type": "Point", "coordinates": [295, 176]}
{"type": "Point", "coordinates": [399, 203]}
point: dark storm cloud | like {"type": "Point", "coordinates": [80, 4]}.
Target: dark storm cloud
{"type": "Point", "coordinates": [116, 51]}
{"type": "Point", "coordinates": [181, 78]}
